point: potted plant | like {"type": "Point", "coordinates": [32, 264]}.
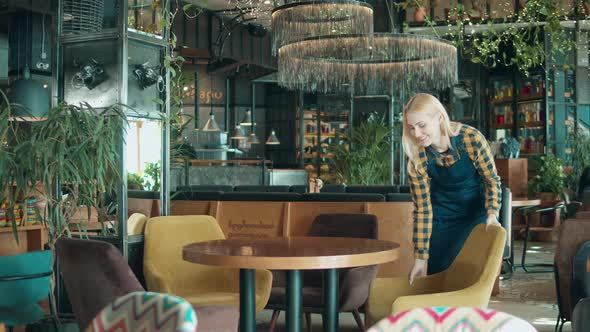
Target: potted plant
{"type": "Point", "coordinates": [364, 160]}
{"type": "Point", "coordinates": [66, 161]}
{"type": "Point", "coordinates": [134, 181]}
{"type": "Point", "coordinates": [549, 183]}
{"type": "Point", "coordinates": [419, 7]}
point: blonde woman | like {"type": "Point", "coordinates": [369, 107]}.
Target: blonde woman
{"type": "Point", "coordinates": [453, 182]}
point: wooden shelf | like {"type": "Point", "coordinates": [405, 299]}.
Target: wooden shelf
{"type": "Point", "coordinates": [8, 228]}
{"type": "Point", "coordinates": [503, 126]}
{"type": "Point", "coordinates": [531, 124]}
{"type": "Point", "coordinates": [502, 101]}
{"type": "Point", "coordinates": [531, 98]}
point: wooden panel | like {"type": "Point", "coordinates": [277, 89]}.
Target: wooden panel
{"type": "Point", "coordinates": [139, 205]}
{"type": "Point", "coordinates": [513, 173]}
{"type": "Point", "coordinates": [202, 33]}
{"type": "Point", "coordinates": [303, 213]}
{"type": "Point", "coordinates": [246, 46]}
{"type": "Point", "coordinates": [236, 45]}
{"type": "Point", "coordinates": [257, 50]}
{"type": "Point", "coordinates": [251, 219]}
{"type": "Point", "coordinates": [36, 239]}
{"type": "Point", "coordinates": [395, 224]}
{"type": "Point", "coordinates": [178, 27]}
{"type": "Point", "coordinates": [501, 8]}
{"type": "Point", "coordinates": [8, 245]}
{"type": "Point", "coordinates": [187, 208]}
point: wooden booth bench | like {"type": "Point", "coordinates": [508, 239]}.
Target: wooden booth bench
{"type": "Point", "coordinates": [255, 218]}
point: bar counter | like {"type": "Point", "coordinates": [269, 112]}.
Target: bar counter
{"type": "Point", "coordinates": [233, 172]}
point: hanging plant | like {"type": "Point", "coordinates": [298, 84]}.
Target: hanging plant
{"type": "Point", "coordinates": [521, 31]}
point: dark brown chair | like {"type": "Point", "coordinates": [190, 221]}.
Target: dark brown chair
{"type": "Point", "coordinates": [95, 274]}
{"type": "Point", "coordinates": [354, 282]}
{"type": "Point", "coordinates": [574, 232]}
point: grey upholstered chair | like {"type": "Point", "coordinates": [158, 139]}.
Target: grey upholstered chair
{"type": "Point", "coordinates": [354, 282]}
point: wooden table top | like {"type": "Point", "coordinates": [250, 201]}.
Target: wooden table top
{"type": "Point", "coordinates": [523, 201]}
{"type": "Point", "coordinates": [292, 253]}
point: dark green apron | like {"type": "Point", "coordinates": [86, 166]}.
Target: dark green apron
{"type": "Point", "coordinates": [458, 205]}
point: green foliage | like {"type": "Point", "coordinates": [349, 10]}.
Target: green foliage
{"type": "Point", "coordinates": [134, 181]}
{"type": "Point", "coordinates": [580, 160]}
{"type": "Point", "coordinates": [550, 177]}
{"type": "Point", "coordinates": [152, 176]}
{"type": "Point", "coordinates": [75, 150]}
{"type": "Point", "coordinates": [367, 161]}
{"type": "Point", "coordinates": [173, 62]}
{"type": "Point", "coordinates": [484, 42]}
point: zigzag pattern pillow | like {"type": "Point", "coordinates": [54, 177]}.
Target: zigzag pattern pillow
{"type": "Point", "coordinates": [146, 312]}
{"type": "Point", "coordinates": [445, 319]}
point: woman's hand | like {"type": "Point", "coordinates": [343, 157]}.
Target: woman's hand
{"type": "Point", "coordinates": [418, 270]}
{"type": "Point", "coordinates": [492, 221]}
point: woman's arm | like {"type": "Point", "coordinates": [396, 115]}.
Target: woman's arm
{"type": "Point", "coordinates": [420, 190]}
{"type": "Point", "coordinates": [483, 161]}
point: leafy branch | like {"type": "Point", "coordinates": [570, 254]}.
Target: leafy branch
{"type": "Point", "coordinates": [522, 31]}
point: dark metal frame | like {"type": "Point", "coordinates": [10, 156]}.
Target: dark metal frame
{"type": "Point", "coordinates": [52, 309]}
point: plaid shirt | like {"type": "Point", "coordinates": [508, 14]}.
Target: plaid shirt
{"type": "Point", "coordinates": [479, 152]}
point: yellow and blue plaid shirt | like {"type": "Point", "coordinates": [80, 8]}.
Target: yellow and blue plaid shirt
{"type": "Point", "coordinates": [479, 153]}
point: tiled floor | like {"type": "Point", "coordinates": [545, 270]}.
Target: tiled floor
{"type": "Point", "coordinates": [530, 296]}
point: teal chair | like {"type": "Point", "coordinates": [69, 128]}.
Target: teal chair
{"type": "Point", "coordinates": [24, 281]}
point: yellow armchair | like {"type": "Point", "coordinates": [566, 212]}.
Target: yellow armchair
{"type": "Point", "coordinates": [165, 271]}
{"type": "Point", "coordinates": [136, 224]}
{"type": "Point", "coordinates": [468, 282]}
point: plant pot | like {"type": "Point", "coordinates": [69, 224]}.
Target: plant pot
{"type": "Point", "coordinates": [548, 196]}
{"type": "Point", "coordinates": [419, 14]}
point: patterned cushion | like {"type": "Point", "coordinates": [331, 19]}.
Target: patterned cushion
{"type": "Point", "coordinates": [445, 319]}
{"type": "Point", "coordinates": [146, 311]}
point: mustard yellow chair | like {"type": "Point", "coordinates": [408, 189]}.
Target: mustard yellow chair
{"type": "Point", "coordinates": [166, 272]}
{"type": "Point", "coordinates": [468, 282]}
{"type": "Point", "coordinates": [136, 223]}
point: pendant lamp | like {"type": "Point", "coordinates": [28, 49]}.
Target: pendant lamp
{"type": "Point", "coordinates": [272, 139]}
{"type": "Point", "coordinates": [211, 124]}
{"type": "Point", "coordinates": [238, 133]}
{"type": "Point", "coordinates": [247, 119]}
{"type": "Point", "coordinates": [252, 139]}
{"type": "Point", "coordinates": [29, 100]}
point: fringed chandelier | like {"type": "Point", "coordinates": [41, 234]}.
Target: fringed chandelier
{"type": "Point", "coordinates": [302, 20]}
{"type": "Point", "coordinates": [368, 64]}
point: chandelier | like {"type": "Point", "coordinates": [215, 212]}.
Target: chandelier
{"type": "Point", "coordinates": [367, 64]}
{"type": "Point", "coordinates": [302, 20]}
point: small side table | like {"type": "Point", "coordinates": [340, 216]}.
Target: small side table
{"type": "Point", "coordinates": [517, 204]}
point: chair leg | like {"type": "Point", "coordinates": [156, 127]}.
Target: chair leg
{"type": "Point", "coordinates": [524, 247]}
{"type": "Point", "coordinates": [53, 311]}
{"type": "Point", "coordinates": [273, 320]}
{"type": "Point", "coordinates": [308, 321]}
{"type": "Point", "coordinates": [10, 328]}
{"type": "Point", "coordinates": [359, 321]}
{"type": "Point", "coordinates": [558, 322]}
{"type": "Point", "coordinates": [562, 324]}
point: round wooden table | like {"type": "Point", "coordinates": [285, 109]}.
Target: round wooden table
{"type": "Point", "coordinates": [293, 254]}
{"type": "Point", "coordinates": [524, 202]}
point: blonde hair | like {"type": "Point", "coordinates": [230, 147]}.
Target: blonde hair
{"type": "Point", "coordinates": [429, 105]}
